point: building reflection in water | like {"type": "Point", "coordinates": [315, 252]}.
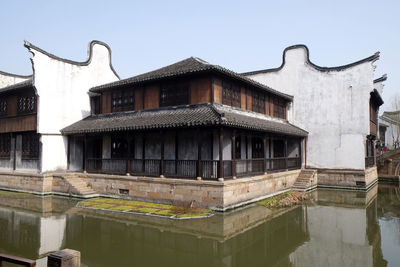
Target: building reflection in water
{"type": "Point", "coordinates": [335, 229]}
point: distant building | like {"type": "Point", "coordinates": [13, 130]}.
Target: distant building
{"type": "Point", "coordinates": [389, 129]}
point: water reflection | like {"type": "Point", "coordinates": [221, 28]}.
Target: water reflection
{"type": "Point", "coordinates": [334, 229]}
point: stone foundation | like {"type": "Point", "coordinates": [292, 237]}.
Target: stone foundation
{"type": "Point", "coordinates": [347, 179]}
{"type": "Point", "coordinates": [215, 195]}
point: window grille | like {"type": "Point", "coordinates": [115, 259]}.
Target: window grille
{"type": "Point", "coordinates": [26, 104]}
{"type": "Point", "coordinates": [3, 107]}
{"type": "Point", "coordinates": [258, 102]}
{"type": "Point", "coordinates": [5, 145]}
{"type": "Point", "coordinates": [122, 101]}
{"type": "Point", "coordinates": [174, 95]}
{"type": "Point", "coordinates": [30, 146]}
{"type": "Point", "coordinates": [230, 95]}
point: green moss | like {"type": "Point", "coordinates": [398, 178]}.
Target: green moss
{"type": "Point", "coordinates": [15, 194]}
{"type": "Point", "coordinates": [143, 207]}
{"type": "Point", "coordinates": [122, 208]}
{"type": "Point", "coordinates": [283, 200]}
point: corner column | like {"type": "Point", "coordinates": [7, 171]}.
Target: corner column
{"type": "Point", "coordinates": [221, 162]}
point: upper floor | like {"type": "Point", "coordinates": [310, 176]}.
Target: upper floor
{"type": "Point", "coordinates": [191, 81]}
{"type": "Point", "coordinates": [18, 107]}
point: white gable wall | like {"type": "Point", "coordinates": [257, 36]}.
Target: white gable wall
{"type": "Point", "coordinates": [333, 106]}
{"type": "Point", "coordinates": [62, 89]}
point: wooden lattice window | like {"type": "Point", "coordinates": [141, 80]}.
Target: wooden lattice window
{"type": "Point", "coordinates": [5, 145]}
{"type": "Point", "coordinates": [230, 95]}
{"type": "Point", "coordinates": [30, 146]}
{"type": "Point", "coordinates": [3, 106]}
{"type": "Point", "coordinates": [258, 102]}
{"type": "Point", "coordinates": [122, 101]}
{"type": "Point", "coordinates": [174, 95]}
{"type": "Point", "coordinates": [279, 108]}
{"type": "Point", "coordinates": [26, 104]}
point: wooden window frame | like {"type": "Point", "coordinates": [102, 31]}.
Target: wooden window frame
{"type": "Point", "coordinates": [26, 104]}
{"type": "Point", "coordinates": [3, 107]}
{"type": "Point", "coordinates": [231, 95]}
{"type": "Point", "coordinates": [122, 100]}
{"type": "Point", "coordinates": [174, 95]}
{"type": "Point", "coordinates": [5, 146]}
{"type": "Point", "coordinates": [95, 105]}
{"type": "Point", "coordinates": [30, 146]}
{"type": "Point", "coordinates": [258, 102]}
{"type": "Point", "coordinates": [279, 108]}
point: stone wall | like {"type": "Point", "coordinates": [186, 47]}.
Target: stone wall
{"type": "Point", "coordinates": [211, 194]}
{"type": "Point", "coordinates": [352, 179]}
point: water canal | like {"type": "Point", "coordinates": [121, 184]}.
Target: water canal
{"type": "Point", "coordinates": [333, 229]}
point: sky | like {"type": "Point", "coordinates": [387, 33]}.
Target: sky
{"type": "Point", "coordinates": [239, 35]}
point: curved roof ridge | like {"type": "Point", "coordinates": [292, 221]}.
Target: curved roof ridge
{"type": "Point", "coordinates": [15, 75]}
{"type": "Point", "coordinates": [18, 85]}
{"type": "Point", "coordinates": [84, 63]}
{"type": "Point", "coordinates": [381, 79]}
{"type": "Point", "coordinates": [324, 69]}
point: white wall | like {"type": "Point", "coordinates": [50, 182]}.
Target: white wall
{"type": "Point", "coordinates": [7, 79]}
{"type": "Point", "coordinates": [333, 106]}
{"type": "Point", "coordinates": [62, 87]}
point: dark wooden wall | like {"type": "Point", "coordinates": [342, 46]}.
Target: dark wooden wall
{"type": "Point", "coordinates": [14, 122]}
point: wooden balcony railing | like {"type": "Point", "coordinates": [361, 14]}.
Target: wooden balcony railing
{"type": "Point", "coordinates": [16, 260]}
{"type": "Point", "coordinates": [206, 169]}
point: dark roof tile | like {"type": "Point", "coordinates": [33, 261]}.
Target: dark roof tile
{"type": "Point", "coordinates": [182, 116]}
{"type": "Point", "coordinates": [184, 67]}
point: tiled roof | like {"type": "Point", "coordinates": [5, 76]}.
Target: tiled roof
{"type": "Point", "coordinates": [187, 66]}
{"type": "Point", "coordinates": [199, 115]}
{"type": "Point", "coordinates": [27, 83]}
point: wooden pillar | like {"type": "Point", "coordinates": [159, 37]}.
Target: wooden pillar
{"type": "Point", "coordinates": [143, 153]}
{"type": "Point", "coordinates": [176, 152]}
{"type": "Point", "coordinates": [305, 152]}
{"type": "Point", "coordinates": [15, 151]}
{"type": "Point", "coordinates": [128, 156]}
{"type": "Point", "coordinates": [162, 137]}
{"type": "Point", "coordinates": [286, 155]}
{"type": "Point", "coordinates": [85, 153]}
{"type": "Point", "coordinates": [300, 153]}
{"type": "Point", "coordinates": [199, 168]}
{"type": "Point", "coordinates": [221, 162]}
{"type": "Point", "coordinates": [233, 154]}
{"type": "Point", "coordinates": [265, 159]}
{"type": "Point", "coordinates": [68, 151]}
{"type": "Point", "coordinates": [247, 152]}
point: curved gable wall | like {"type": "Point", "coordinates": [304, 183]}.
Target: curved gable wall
{"type": "Point", "coordinates": [62, 87]}
{"type": "Point", "coordinates": [331, 104]}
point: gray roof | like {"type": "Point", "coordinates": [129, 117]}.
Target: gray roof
{"type": "Point", "coordinates": [198, 115]}
{"type": "Point", "coordinates": [185, 67]}
{"type": "Point", "coordinates": [24, 84]}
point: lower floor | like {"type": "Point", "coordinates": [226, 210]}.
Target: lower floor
{"type": "Point", "coordinates": [20, 151]}
{"type": "Point", "coordinates": [185, 153]}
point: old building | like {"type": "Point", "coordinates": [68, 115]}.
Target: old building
{"type": "Point", "coordinates": [188, 132]}
{"type": "Point", "coordinates": [189, 119]}
{"type": "Point", "coordinates": [338, 107]}
{"type": "Point", "coordinates": [389, 129]}
{"type": "Point", "coordinates": [35, 108]}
